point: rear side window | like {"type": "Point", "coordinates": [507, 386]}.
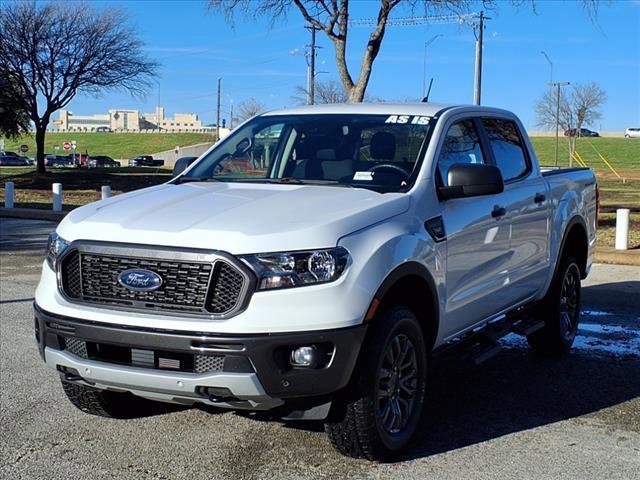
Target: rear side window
{"type": "Point", "coordinates": [461, 145]}
{"type": "Point", "coordinates": [507, 147]}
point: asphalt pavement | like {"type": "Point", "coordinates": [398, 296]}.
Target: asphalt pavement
{"type": "Point", "coordinates": [516, 416]}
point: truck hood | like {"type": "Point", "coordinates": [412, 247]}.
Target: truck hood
{"type": "Point", "coordinates": [234, 217]}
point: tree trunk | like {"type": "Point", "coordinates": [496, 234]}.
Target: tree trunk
{"type": "Point", "coordinates": [41, 129]}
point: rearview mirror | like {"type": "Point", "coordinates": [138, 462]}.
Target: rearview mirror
{"type": "Point", "coordinates": [182, 164]}
{"type": "Point", "coordinates": [242, 147]}
{"type": "Point", "coordinates": [471, 180]}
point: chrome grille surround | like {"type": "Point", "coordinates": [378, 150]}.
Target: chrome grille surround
{"type": "Point", "coordinates": [197, 282]}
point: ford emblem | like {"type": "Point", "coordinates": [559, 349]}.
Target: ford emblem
{"type": "Point", "coordinates": [140, 280]}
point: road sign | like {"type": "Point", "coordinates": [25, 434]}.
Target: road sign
{"type": "Point", "coordinates": [66, 146]}
{"type": "Point", "coordinates": [24, 148]}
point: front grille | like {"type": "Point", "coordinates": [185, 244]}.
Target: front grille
{"type": "Point", "coordinates": [195, 287]}
{"type": "Point", "coordinates": [155, 359]}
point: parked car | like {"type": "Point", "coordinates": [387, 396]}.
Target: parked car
{"type": "Point", "coordinates": [632, 133]}
{"type": "Point", "coordinates": [145, 161]}
{"type": "Point", "coordinates": [102, 161]}
{"type": "Point", "coordinates": [59, 161]}
{"type": "Point", "coordinates": [373, 238]}
{"type": "Point", "coordinates": [80, 159]}
{"type": "Point", "coordinates": [584, 132]}
{"type": "Point", "coordinates": [8, 154]}
{"type": "Point", "coordinates": [103, 129]}
{"type": "Point", "coordinates": [13, 161]}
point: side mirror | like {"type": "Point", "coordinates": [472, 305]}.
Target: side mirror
{"type": "Point", "coordinates": [182, 164]}
{"type": "Point", "coordinates": [471, 180]}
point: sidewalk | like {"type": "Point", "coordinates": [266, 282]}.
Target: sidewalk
{"type": "Point", "coordinates": [602, 255]}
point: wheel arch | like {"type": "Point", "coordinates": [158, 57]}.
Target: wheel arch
{"type": "Point", "coordinates": [406, 285]}
{"type": "Point", "coordinates": [575, 242]}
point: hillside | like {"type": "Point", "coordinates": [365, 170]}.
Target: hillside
{"type": "Point", "coordinates": [116, 145]}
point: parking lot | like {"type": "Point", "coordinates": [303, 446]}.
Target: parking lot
{"type": "Point", "coordinates": [517, 416]}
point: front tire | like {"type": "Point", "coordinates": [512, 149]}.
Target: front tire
{"type": "Point", "coordinates": [560, 310]}
{"type": "Point", "coordinates": [381, 409]}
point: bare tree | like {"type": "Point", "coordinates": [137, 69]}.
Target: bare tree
{"type": "Point", "coordinates": [332, 18]}
{"type": "Point", "coordinates": [330, 91]}
{"type": "Point", "coordinates": [248, 108]}
{"type": "Point", "coordinates": [580, 107]}
{"type": "Point", "coordinates": [51, 52]}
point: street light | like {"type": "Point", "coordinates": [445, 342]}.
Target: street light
{"type": "Point", "coordinates": [558, 85]}
{"type": "Point", "coordinates": [424, 64]}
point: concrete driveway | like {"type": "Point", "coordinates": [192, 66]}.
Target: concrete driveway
{"type": "Point", "coordinates": [517, 416]}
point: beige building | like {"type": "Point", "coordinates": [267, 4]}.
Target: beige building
{"type": "Point", "coordinates": [123, 120]}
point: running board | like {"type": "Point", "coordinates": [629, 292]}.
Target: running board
{"type": "Point", "coordinates": [482, 343]}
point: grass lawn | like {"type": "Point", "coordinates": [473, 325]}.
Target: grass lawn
{"type": "Point", "coordinates": [621, 153]}
{"type": "Point", "coordinates": [82, 186]}
{"type": "Point", "coordinates": [115, 145]}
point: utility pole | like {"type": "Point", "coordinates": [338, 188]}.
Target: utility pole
{"type": "Point", "coordinates": [231, 116]}
{"type": "Point", "coordinates": [550, 66]}
{"type": "Point", "coordinates": [558, 85]}
{"type": "Point", "coordinates": [218, 111]}
{"type": "Point", "coordinates": [477, 91]}
{"type": "Point", "coordinates": [424, 65]}
{"type": "Point", "coordinates": [311, 66]}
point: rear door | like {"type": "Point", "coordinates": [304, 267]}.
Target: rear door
{"type": "Point", "coordinates": [477, 239]}
{"type": "Point", "coordinates": [527, 204]}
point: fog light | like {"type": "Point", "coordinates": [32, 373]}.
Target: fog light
{"type": "Point", "coordinates": [304, 356]}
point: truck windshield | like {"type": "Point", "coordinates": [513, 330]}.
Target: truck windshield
{"type": "Point", "coordinates": [381, 152]}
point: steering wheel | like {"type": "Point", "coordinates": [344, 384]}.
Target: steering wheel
{"type": "Point", "coordinates": [392, 169]}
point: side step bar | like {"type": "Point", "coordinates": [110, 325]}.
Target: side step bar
{"type": "Point", "coordinates": [482, 343]}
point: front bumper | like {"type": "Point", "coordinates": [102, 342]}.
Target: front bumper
{"type": "Point", "coordinates": [255, 372]}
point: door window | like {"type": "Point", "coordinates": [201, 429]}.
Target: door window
{"type": "Point", "coordinates": [507, 147]}
{"type": "Point", "coordinates": [461, 145]}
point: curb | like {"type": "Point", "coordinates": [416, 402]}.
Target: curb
{"type": "Point", "coordinates": [617, 257]}
{"type": "Point", "coordinates": [32, 214]}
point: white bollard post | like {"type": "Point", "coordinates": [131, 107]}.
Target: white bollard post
{"type": "Point", "coordinates": [8, 195]}
{"type": "Point", "coordinates": [57, 197]}
{"type": "Point", "coordinates": [622, 229]}
{"type": "Point", "coordinates": [106, 191]}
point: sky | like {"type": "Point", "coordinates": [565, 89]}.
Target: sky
{"type": "Point", "coordinates": [257, 59]}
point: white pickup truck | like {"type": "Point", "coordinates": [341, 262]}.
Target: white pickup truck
{"type": "Point", "coordinates": [313, 263]}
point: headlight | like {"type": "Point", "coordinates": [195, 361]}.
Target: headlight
{"type": "Point", "coordinates": [295, 269]}
{"type": "Point", "coordinates": [55, 246]}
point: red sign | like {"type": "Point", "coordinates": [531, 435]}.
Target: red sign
{"type": "Point", "coordinates": [66, 146]}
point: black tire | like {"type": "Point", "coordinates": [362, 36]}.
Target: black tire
{"type": "Point", "coordinates": [360, 425]}
{"type": "Point", "coordinates": [103, 403]}
{"type": "Point", "coordinates": [560, 310]}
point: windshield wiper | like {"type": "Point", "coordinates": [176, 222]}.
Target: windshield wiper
{"type": "Point", "coordinates": [180, 180]}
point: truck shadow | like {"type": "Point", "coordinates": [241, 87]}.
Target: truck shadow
{"type": "Point", "coordinates": [517, 391]}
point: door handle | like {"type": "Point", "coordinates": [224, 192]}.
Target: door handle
{"type": "Point", "coordinates": [539, 198]}
{"type": "Point", "coordinates": [498, 211]}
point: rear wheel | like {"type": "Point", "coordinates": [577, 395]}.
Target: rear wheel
{"type": "Point", "coordinates": [102, 402]}
{"type": "Point", "coordinates": [560, 310]}
{"type": "Point", "coordinates": [380, 411]}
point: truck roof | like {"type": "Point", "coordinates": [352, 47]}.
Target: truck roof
{"type": "Point", "coordinates": [426, 109]}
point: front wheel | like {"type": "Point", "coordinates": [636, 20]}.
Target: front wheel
{"type": "Point", "coordinates": [560, 310]}
{"type": "Point", "coordinates": [381, 409]}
